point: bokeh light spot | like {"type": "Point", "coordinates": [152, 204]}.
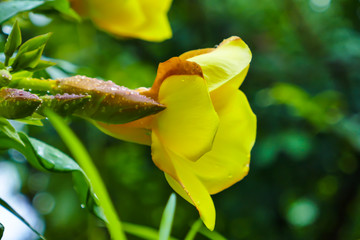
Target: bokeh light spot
{"type": "Point", "coordinates": [302, 212]}
{"type": "Point", "coordinates": [44, 202]}
{"type": "Point", "coordinates": [319, 5]}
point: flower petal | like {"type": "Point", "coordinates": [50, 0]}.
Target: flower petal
{"type": "Point", "coordinates": [228, 161]}
{"type": "Point", "coordinates": [191, 187]}
{"type": "Point", "coordinates": [173, 66]}
{"type": "Point", "coordinates": [138, 131]}
{"type": "Point", "coordinates": [222, 64]}
{"type": "Point", "coordinates": [157, 27]}
{"type": "Point", "coordinates": [189, 122]}
{"type": "Point", "coordinates": [186, 184]}
{"type": "Point", "coordinates": [116, 17]}
{"type": "Point", "coordinates": [142, 19]}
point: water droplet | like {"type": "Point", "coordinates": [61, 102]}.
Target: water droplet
{"type": "Point", "coordinates": [82, 205]}
{"type": "Point", "coordinates": [230, 176]}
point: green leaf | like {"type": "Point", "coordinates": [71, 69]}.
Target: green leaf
{"type": "Point", "coordinates": [64, 7]}
{"type": "Point", "coordinates": [29, 54]}
{"type": "Point", "coordinates": [167, 218]}
{"type": "Point", "coordinates": [10, 209]}
{"type": "Point", "coordinates": [13, 42]}
{"type": "Point", "coordinates": [27, 60]}
{"type": "Point", "coordinates": [81, 155]}
{"type": "Point", "coordinates": [9, 131]}
{"type": "Point", "coordinates": [1, 230]}
{"type": "Point", "coordinates": [34, 43]}
{"type": "Point", "coordinates": [21, 75]}
{"type": "Point", "coordinates": [49, 159]}
{"type": "Point", "coordinates": [194, 230]}
{"type": "Point", "coordinates": [32, 120]}
{"type": "Point", "coordinates": [11, 8]}
{"type": "Point", "coordinates": [42, 64]}
{"type": "Point", "coordinates": [57, 160]}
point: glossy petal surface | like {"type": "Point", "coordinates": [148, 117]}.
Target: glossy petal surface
{"type": "Point", "coordinates": [188, 124]}
{"type": "Point", "coordinates": [225, 62]}
{"type": "Point", "coordinates": [117, 17]}
{"type": "Point", "coordinates": [183, 180]}
{"type": "Point", "coordinates": [142, 19]}
{"type": "Point", "coordinates": [138, 131]}
{"type": "Point", "coordinates": [228, 161]}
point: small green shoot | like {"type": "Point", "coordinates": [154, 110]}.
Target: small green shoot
{"type": "Point", "coordinates": [167, 218]}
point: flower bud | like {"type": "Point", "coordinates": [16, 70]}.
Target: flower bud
{"type": "Point", "coordinates": [15, 103]}
{"type": "Point", "coordinates": [64, 104]}
{"type": "Point", "coordinates": [109, 102]}
{"type": "Point", "coordinates": [5, 78]}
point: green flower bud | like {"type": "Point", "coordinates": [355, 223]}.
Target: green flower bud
{"type": "Point", "coordinates": [15, 103]}
{"type": "Point", "coordinates": [5, 78]}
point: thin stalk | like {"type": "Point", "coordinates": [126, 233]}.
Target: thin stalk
{"type": "Point", "coordinates": [6, 61]}
{"type": "Point", "coordinates": [194, 230]}
{"type": "Point", "coordinates": [33, 84]}
{"type": "Point", "coordinates": [81, 155]}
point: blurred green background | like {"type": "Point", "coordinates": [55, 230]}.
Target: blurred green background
{"type": "Point", "coordinates": [303, 85]}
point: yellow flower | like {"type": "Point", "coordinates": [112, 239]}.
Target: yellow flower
{"type": "Point", "coordinates": [202, 140]}
{"type": "Point", "coordinates": [144, 19]}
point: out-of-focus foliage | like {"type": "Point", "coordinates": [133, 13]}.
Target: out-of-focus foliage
{"type": "Point", "coordinates": [303, 85]}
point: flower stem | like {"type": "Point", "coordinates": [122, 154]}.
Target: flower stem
{"type": "Point", "coordinates": [81, 155]}
{"type": "Point", "coordinates": [33, 84]}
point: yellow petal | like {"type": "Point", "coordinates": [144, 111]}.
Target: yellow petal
{"type": "Point", "coordinates": [225, 62]}
{"type": "Point", "coordinates": [142, 19]}
{"type": "Point", "coordinates": [186, 184]}
{"type": "Point", "coordinates": [157, 27]}
{"type": "Point", "coordinates": [162, 6]}
{"type": "Point", "coordinates": [173, 66]}
{"type": "Point", "coordinates": [189, 122]}
{"type": "Point", "coordinates": [228, 161]}
{"type": "Point", "coordinates": [138, 131]}
{"type": "Point", "coordinates": [117, 17]}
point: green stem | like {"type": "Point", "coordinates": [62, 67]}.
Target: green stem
{"type": "Point", "coordinates": [7, 58]}
{"type": "Point", "coordinates": [33, 84]}
{"type": "Point", "coordinates": [81, 155]}
{"type": "Point", "coordinates": [194, 230]}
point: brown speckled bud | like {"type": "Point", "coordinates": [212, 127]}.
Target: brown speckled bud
{"type": "Point", "coordinates": [15, 103]}
{"type": "Point", "coordinates": [64, 104]}
{"type": "Point", "coordinates": [109, 102]}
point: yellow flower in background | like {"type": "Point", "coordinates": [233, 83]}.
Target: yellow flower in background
{"type": "Point", "coordinates": [143, 19]}
{"type": "Point", "coordinates": [202, 140]}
